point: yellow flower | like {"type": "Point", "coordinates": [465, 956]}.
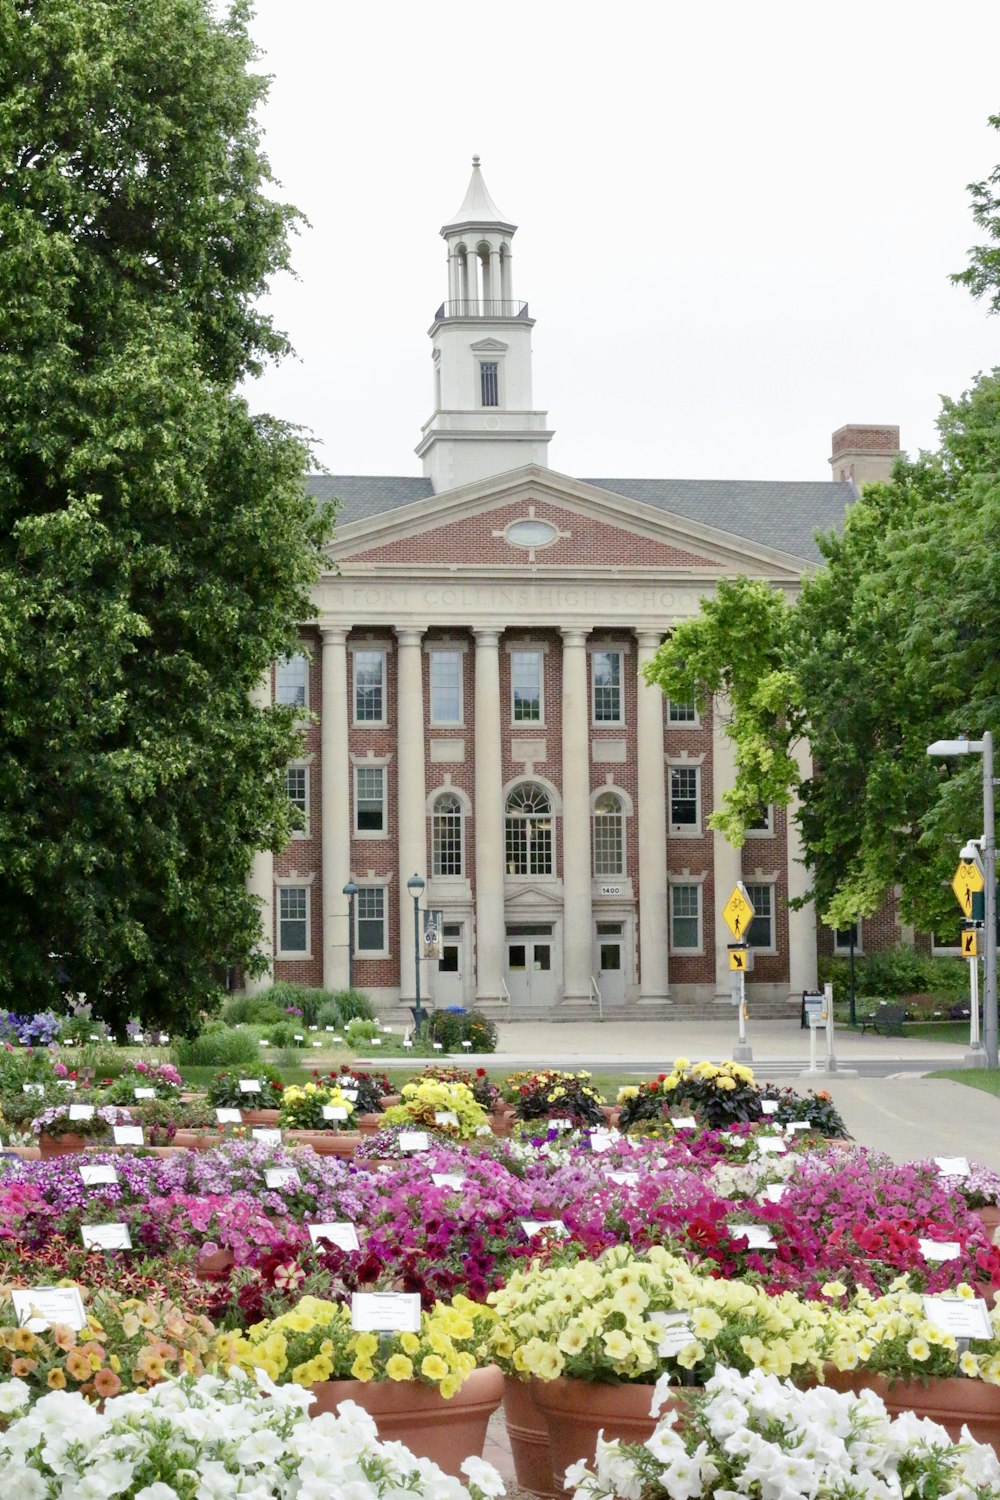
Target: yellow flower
{"type": "Point", "coordinates": [398, 1367]}
{"type": "Point", "coordinates": [969, 1364]}
{"type": "Point", "coordinates": [410, 1342]}
{"type": "Point", "coordinates": [434, 1367]}
{"type": "Point", "coordinates": [363, 1369]}
{"type": "Point", "coordinates": [918, 1349]}
{"type": "Point", "coordinates": [616, 1344]}
{"type": "Point", "coordinates": [366, 1345]}
{"type": "Point", "coordinates": [833, 1289]}
{"type": "Point", "coordinates": [56, 1380]}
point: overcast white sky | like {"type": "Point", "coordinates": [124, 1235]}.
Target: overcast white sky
{"type": "Point", "coordinates": [736, 220]}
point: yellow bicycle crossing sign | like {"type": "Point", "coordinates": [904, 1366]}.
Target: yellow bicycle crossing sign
{"type": "Point", "coordinates": [967, 882]}
{"type": "Point", "coordinates": [738, 913]}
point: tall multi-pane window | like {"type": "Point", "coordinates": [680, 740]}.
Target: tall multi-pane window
{"type": "Point", "coordinates": [293, 918]}
{"type": "Point", "coordinates": [489, 382]}
{"type": "Point", "coordinates": [609, 835]}
{"type": "Point", "coordinates": [446, 835]}
{"type": "Point", "coordinates": [297, 791]}
{"type": "Point", "coordinates": [528, 830]}
{"type": "Point", "coordinates": [369, 799]}
{"type": "Point", "coordinates": [606, 670]}
{"type": "Point", "coordinates": [685, 918]}
{"type": "Point", "coordinates": [526, 686]}
{"type": "Point", "coordinates": [760, 933]}
{"type": "Point", "coordinates": [369, 687]}
{"type": "Point", "coordinates": [446, 687]}
{"type": "Point", "coordinates": [369, 934]}
{"type": "Point", "coordinates": [682, 712]}
{"type": "Point", "coordinates": [685, 811]}
{"type": "Point", "coordinates": [291, 680]}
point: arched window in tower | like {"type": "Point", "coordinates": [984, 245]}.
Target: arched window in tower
{"type": "Point", "coordinates": [609, 835]}
{"type": "Point", "coordinates": [447, 853]}
{"type": "Point", "coordinates": [528, 831]}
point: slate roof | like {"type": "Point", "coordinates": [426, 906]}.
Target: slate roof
{"type": "Point", "coordinates": [785, 514]}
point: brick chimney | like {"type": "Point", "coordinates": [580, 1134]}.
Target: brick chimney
{"type": "Point", "coordinates": [864, 454]}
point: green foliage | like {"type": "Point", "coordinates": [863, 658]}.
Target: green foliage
{"type": "Point", "coordinates": [303, 998]}
{"type": "Point", "coordinates": [156, 546]}
{"type": "Point", "coordinates": [329, 1015]}
{"type": "Point", "coordinates": [352, 1003]}
{"type": "Point", "coordinates": [251, 1010]}
{"type": "Point", "coordinates": [453, 1027]}
{"type": "Point", "coordinates": [896, 974]}
{"type": "Point", "coordinates": [223, 1048]}
{"type": "Point", "coordinates": [358, 1031]}
{"type": "Point", "coordinates": [224, 1088]}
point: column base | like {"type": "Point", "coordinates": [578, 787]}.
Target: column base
{"type": "Point", "coordinates": [655, 997]}
{"type": "Point", "coordinates": [976, 1058]}
{"type": "Point", "coordinates": [743, 1052]}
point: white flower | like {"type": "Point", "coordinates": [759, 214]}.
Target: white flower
{"type": "Point", "coordinates": [484, 1475]}
{"type": "Point", "coordinates": [261, 1447]}
{"type": "Point", "coordinates": [157, 1491]}
{"type": "Point", "coordinates": [14, 1395]}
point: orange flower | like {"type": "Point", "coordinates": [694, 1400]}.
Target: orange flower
{"type": "Point", "coordinates": [23, 1367]}
{"type": "Point", "coordinates": [107, 1384]}
{"type": "Point", "coordinates": [149, 1365]}
{"type": "Point", "coordinates": [56, 1380]}
{"type": "Point", "coordinates": [63, 1336]}
{"type": "Point", "coordinates": [23, 1340]}
{"type": "Point", "coordinates": [78, 1365]}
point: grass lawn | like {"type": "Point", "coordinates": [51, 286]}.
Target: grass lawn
{"type": "Point", "coordinates": [938, 1031]}
{"type": "Point", "coordinates": [987, 1079]}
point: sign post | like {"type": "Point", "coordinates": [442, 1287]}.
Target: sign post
{"type": "Point", "coordinates": [738, 913]}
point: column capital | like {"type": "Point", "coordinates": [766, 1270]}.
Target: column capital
{"type": "Point", "coordinates": [649, 640]}
{"type": "Point", "coordinates": [572, 635]}
{"type": "Point", "coordinates": [486, 637]}
{"type": "Point", "coordinates": [334, 635]}
{"type": "Point", "coordinates": [410, 635]}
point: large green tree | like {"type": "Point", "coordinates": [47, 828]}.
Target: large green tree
{"type": "Point", "coordinates": [156, 546]}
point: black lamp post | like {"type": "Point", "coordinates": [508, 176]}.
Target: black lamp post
{"type": "Point", "coordinates": [350, 891]}
{"type": "Point", "coordinates": [415, 886]}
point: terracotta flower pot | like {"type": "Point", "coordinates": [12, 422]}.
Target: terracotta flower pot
{"type": "Point", "coordinates": [389, 1099]}
{"type": "Point", "coordinates": [368, 1124]}
{"type": "Point", "coordinates": [989, 1217]}
{"type": "Point", "coordinates": [61, 1145]}
{"type": "Point", "coordinates": [576, 1411]}
{"type": "Point", "coordinates": [528, 1432]}
{"type": "Point", "coordinates": [950, 1400]}
{"type": "Point", "coordinates": [409, 1412]}
{"type": "Point", "coordinates": [195, 1140]}
{"type": "Point", "coordinates": [26, 1153]}
{"type": "Point", "coordinates": [612, 1114]}
{"type": "Point", "coordinates": [260, 1116]}
{"type": "Point", "coordinates": [326, 1142]}
{"type": "Point", "coordinates": [502, 1121]}
{"type": "Point", "coordinates": [215, 1266]}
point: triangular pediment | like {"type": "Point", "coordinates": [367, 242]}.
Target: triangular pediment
{"type": "Point", "coordinates": [530, 895]}
{"type": "Point", "coordinates": [490, 346]}
{"type": "Point", "coordinates": [583, 530]}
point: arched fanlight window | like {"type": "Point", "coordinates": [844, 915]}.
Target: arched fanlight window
{"type": "Point", "coordinates": [528, 831]}
{"type": "Point", "coordinates": [609, 835]}
{"type": "Point", "coordinates": [447, 854]}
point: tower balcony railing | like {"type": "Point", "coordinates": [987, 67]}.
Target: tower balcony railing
{"type": "Point", "coordinates": [483, 307]}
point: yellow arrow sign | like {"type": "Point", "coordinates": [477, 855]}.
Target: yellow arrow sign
{"type": "Point", "coordinates": [970, 948]}
{"type": "Point", "coordinates": [967, 881]}
{"type": "Point", "coordinates": [738, 914]}
{"type": "Point", "coordinates": [738, 960]}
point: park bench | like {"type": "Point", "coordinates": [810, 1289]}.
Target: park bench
{"type": "Point", "coordinates": [886, 1021]}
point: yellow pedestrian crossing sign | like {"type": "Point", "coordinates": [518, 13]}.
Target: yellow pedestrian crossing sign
{"type": "Point", "coordinates": [967, 882]}
{"type": "Point", "coordinates": [738, 914]}
{"type": "Point", "coordinates": [970, 947]}
{"type": "Point", "coordinates": [738, 960]}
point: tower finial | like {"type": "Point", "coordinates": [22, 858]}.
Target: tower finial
{"type": "Point", "coordinates": [475, 161]}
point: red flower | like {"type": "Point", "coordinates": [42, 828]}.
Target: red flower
{"type": "Point", "coordinates": [703, 1233]}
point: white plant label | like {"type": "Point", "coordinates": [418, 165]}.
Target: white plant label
{"type": "Point", "coordinates": [128, 1135]}
{"type": "Point", "coordinates": [385, 1312]}
{"type": "Point", "coordinates": [105, 1237]}
{"type": "Point", "coordinates": [601, 1141]}
{"type": "Point", "coordinates": [33, 1088]}
{"type": "Point", "coordinates": [940, 1249]}
{"type": "Point", "coordinates": [554, 1227]}
{"type": "Point", "coordinates": [81, 1111]}
{"type": "Point", "coordinates": [625, 1179]}
{"type": "Point", "coordinates": [953, 1166]}
{"type": "Point", "coordinates": [335, 1111]}
{"type": "Point", "coordinates": [446, 1117]}
{"type": "Point", "coordinates": [144, 1093]}
{"type": "Point", "coordinates": [38, 1307]}
{"type": "Point", "coordinates": [771, 1145]}
{"type": "Point", "coordinates": [317, 1044]}
{"type": "Point", "coordinates": [675, 1329]}
{"type": "Point", "coordinates": [344, 1235]}
{"type": "Point", "coordinates": [250, 1086]}
{"type": "Point", "coordinates": [965, 1317]}
{"type": "Point", "coordinates": [376, 1041]}
{"type": "Point", "coordinates": [228, 1116]}
{"type": "Point", "coordinates": [685, 1122]}
{"type": "Point", "coordinates": [266, 1133]}
{"type": "Point", "coordinates": [769, 1106]}
{"type": "Point", "coordinates": [67, 1083]}
{"type": "Point", "coordinates": [794, 1126]}
{"type": "Point", "coordinates": [447, 1179]}
{"type": "Point", "coordinates": [94, 1176]}
{"type": "Point", "coordinates": [282, 1177]}
{"type": "Point", "coordinates": [414, 1140]}
{"type": "Point", "coordinates": [774, 1192]}
{"type": "Point", "coordinates": [351, 1095]}
{"type": "Point", "coordinates": [560, 1124]}
{"type": "Point", "coordinates": [757, 1235]}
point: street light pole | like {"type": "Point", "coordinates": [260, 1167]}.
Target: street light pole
{"type": "Point", "coordinates": [415, 886]}
{"type": "Point", "coordinates": [984, 747]}
{"type": "Point", "coordinates": [350, 891]}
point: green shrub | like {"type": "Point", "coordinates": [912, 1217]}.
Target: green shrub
{"type": "Point", "coordinates": [223, 1047]}
{"type": "Point", "coordinates": [894, 974]}
{"type": "Point", "coordinates": [446, 1027]}
{"type": "Point", "coordinates": [360, 1030]}
{"type": "Point", "coordinates": [329, 1015]}
{"type": "Point", "coordinates": [353, 1003]}
{"type": "Point", "coordinates": [251, 1010]}
{"type": "Point", "coordinates": [305, 999]}
{"type": "Point", "coordinates": [480, 1031]}
{"type": "Point", "coordinates": [453, 1027]}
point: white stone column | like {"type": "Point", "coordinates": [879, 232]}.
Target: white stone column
{"type": "Point", "coordinates": [578, 925]}
{"type": "Point", "coordinates": [261, 879]}
{"type": "Point", "coordinates": [802, 970]}
{"type": "Point", "coordinates": [727, 861]}
{"type": "Point", "coordinates": [335, 808]}
{"type": "Point", "coordinates": [494, 275]}
{"type": "Point", "coordinates": [411, 793]}
{"type": "Point", "coordinates": [651, 812]}
{"type": "Point", "coordinates": [488, 815]}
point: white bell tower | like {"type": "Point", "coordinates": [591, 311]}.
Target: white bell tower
{"type": "Point", "coordinates": [482, 422]}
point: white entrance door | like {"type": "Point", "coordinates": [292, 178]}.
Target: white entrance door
{"type": "Point", "coordinates": [449, 983]}
{"type": "Point", "coordinates": [609, 961]}
{"type": "Point", "coordinates": [531, 974]}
